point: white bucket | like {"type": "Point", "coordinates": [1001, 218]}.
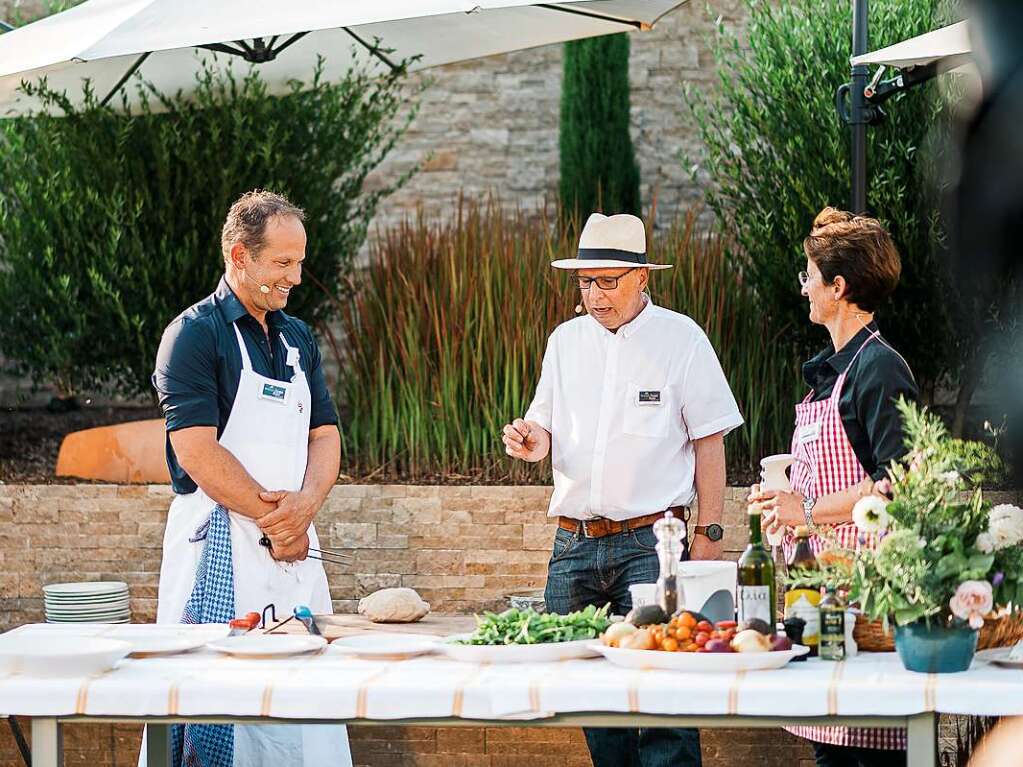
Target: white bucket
{"type": "Point", "coordinates": [701, 580]}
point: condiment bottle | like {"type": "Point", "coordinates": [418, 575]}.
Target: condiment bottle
{"type": "Point", "coordinates": [669, 531]}
{"type": "Point", "coordinates": [832, 643]}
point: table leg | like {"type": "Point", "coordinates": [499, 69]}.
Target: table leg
{"type": "Point", "coordinates": [47, 743]}
{"type": "Point", "coordinates": [922, 732]}
{"type": "Point", "coordinates": [157, 745]}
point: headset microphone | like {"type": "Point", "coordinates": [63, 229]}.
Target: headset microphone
{"type": "Point", "coordinates": [578, 308]}
{"type": "Point", "coordinates": [264, 288]}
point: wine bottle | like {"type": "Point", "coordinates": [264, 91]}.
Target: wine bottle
{"type": "Point", "coordinates": [756, 586]}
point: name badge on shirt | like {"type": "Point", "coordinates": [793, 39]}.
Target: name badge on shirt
{"type": "Point", "coordinates": [808, 433]}
{"type": "Point", "coordinates": [648, 398]}
{"type": "Point", "coordinates": [273, 393]}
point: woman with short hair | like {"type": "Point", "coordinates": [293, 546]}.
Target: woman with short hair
{"type": "Point", "coordinates": [847, 429]}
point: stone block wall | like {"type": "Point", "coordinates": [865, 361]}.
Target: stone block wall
{"type": "Point", "coordinates": [463, 548]}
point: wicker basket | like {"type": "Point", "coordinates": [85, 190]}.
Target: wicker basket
{"type": "Point", "coordinates": [1003, 631]}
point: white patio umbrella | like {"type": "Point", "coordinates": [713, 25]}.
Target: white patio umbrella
{"type": "Point", "coordinates": [166, 42]}
{"type": "Point", "coordinates": [949, 47]}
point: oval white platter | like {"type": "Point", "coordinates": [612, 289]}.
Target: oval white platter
{"type": "Point", "coordinates": [385, 646]}
{"type": "Point", "coordinates": [545, 652]}
{"type": "Point", "coordinates": [152, 639]}
{"type": "Point", "coordinates": [268, 645]}
{"type": "Point", "coordinates": [56, 656]}
{"type": "Point", "coordinates": [702, 662]}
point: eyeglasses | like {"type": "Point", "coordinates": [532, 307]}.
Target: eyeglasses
{"type": "Point", "coordinates": [604, 283]}
{"type": "Point", "coordinates": [804, 277]}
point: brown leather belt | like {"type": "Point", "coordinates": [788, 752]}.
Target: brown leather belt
{"type": "Point", "coordinates": [598, 527]}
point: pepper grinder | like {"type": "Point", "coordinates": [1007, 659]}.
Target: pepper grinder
{"type": "Point", "coordinates": [669, 531]}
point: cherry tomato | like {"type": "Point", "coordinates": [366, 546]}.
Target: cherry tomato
{"type": "Point", "coordinates": [670, 645]}
{"type": "Point", "coordinates": [687, 620]}
{"type": "Point", "coordinates": [704, 626]}
{"type": "Point", "coordinates": [726, 624]}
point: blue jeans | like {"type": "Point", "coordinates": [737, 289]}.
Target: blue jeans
{"type": "Point", "coordinates": [596, 571]}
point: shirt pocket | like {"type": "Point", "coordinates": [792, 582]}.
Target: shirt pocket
{"type": "Point", "coordinates": [648, 411]}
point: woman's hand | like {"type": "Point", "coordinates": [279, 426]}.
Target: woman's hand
{"type": "Point", "coordinates": [779, 507]}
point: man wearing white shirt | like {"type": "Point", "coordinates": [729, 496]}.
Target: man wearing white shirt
{"type": "Point", "coordinates": [633, 407]}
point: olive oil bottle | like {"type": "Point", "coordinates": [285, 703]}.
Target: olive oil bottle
{"type": "Point", "coordinates": [832, 645]}
{"type": "Point", "coordinates": [756, 586]}
{"type": "Point", "coordinates": [802, 600]}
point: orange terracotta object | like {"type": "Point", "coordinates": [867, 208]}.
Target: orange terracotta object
{"type": "Point", "coordinates": [126, 452]}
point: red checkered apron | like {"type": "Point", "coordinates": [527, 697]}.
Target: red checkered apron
{"type": "Point", "coordinates": [824, 462]}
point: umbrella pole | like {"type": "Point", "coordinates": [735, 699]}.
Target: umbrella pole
{"type": "Point", "coordinates": [861, 110]}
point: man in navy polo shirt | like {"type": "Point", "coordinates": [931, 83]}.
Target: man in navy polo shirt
{"type": "Point", "coordinates": [253, 449]}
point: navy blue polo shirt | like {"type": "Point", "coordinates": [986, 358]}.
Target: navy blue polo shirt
{"type": "Point", "coordinates": [199, 363]}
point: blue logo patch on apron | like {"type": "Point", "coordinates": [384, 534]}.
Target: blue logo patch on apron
{"type": "Point", "coordinates": [275, 393]}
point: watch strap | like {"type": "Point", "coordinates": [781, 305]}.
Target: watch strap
{"type": "Point", "coordinates": [808, 504]}
{"type": "Point", "coordinates": [702, 530]}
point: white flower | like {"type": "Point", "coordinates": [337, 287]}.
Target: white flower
{"type": "Point", "coordinates": [986, 542]}
{"type": "Point", "coordinates": [972, 601]}
{"type": "Point", "coordinates": [1005, 525]}
{"type": "Point", "coordinates": [950, 477]}
{"type": "Point", "coordinates": [871, 514]}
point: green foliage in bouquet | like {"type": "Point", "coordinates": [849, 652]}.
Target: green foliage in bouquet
{"type": "Point", "coordinates": [940, 541]}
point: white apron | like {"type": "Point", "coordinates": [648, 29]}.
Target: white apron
{"type": "Point", "coordinates": [268, 432]}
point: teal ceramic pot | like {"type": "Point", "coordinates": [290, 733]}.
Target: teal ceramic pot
{"type": "Point", "coordinates": [935, 649]}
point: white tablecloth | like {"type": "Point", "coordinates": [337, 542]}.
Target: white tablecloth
{"type": "Point", "coordinates": [335, 687]}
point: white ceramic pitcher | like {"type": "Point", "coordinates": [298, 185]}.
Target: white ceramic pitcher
{"type": "Point", "coordinates": [773, 476]}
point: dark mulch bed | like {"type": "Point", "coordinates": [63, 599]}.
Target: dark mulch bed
{"type": "Point", "coordinates": [30, 438]}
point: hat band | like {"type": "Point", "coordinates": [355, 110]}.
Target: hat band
{"type": "Point", "coordinates": [611, 254]}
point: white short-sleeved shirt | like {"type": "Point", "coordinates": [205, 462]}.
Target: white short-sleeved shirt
{"type": "Point", "coordinates": [623, 410]}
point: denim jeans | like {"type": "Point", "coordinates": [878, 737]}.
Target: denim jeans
{"type": "Point", "coordinates": [596, 571]}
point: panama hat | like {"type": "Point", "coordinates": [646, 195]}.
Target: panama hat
{"type": "Point", "coordinates": [610, 242]}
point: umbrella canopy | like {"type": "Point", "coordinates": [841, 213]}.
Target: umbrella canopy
{"type": "Point", "coordinates": [948, 46]}
{"type": "Point", "coordinates": [165, 42]}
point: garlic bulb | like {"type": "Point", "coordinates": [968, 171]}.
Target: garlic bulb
{"type": "Point", "coordinates": [750, 640]}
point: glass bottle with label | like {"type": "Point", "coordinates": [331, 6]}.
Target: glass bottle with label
{"type": "Point", "coordinates": [756, 586]}
{"type": "Point", "coordinates": [802, 600]}
{"type": "Point", "coordinates": [832, 642]}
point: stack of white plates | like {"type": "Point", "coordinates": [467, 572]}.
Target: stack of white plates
{"type": "Point", "coordinates": [95, 602]}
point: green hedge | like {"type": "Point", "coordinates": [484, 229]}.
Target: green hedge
{"type": "Point", "coordinates": [110, 222]}
{"type": "Point", "coordinates": [776, 154]}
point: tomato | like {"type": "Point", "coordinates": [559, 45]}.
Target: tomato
{"type": "Point", "coordinates": [683, 633]}
{"type": "Point", "coordinates": [704, 626]}
{"type": "Point", "coordinates": [726, 624]}
{"type": "Point", "coordinates": [702, 639]}
{"type": "Point", "coordinates": [669, 645]}
{"type": "Point", "coordinates": [687, 620]}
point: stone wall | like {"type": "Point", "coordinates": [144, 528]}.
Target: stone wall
{"type": "Point", "coordinates": [463, 548]}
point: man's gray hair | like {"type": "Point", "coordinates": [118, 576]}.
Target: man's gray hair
{"type": "Point", "coordinates": [246, 221]}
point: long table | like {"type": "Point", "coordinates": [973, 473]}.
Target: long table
{"type": "Point", "coordinates": [202, 686]}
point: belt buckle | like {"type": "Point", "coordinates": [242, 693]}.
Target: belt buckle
{"type": "Point", "coordinates": [585, 525]}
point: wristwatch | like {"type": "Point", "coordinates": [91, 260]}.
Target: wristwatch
{"type": "Point", "coordinates": [713, 532]}
{"type": "Point", "coordinates": [808, 504]}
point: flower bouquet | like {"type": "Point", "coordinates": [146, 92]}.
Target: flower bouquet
{"type": "Point", "coordinates": [945, 559]}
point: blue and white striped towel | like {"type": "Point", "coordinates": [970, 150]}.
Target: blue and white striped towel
{"type": "Point", "coordinates": [212, 601]}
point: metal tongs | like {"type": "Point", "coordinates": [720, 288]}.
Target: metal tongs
{"type": "Point", "coordinates": [331, 556]}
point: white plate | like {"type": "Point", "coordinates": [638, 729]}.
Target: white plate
{"type": "Point", "coordinates": [59, 656]}
{"type": "Point", "coordinates": [151, 639]}
{"type": "Point", "coordinates": [104, 599]}
{"type": "Point", "coordinates": [516, 653]}
{"type": "Point", "coordinates": [88, 610]}
{"type": "Point", "coordinates": [386, 646]}
{"type": "Point", "coordinates": [89, 588]}
{"type": "Point", "coordinates": [703, 662]}
{"type": "Point", "coordinates": [112, 618]}
{"type": "Point", "coordinates": [268, 645]}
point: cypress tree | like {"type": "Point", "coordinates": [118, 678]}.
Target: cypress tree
{"type": "Point", "coordinates": [598, 165]}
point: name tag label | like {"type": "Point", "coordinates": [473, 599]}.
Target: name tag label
{"type": "Point", "coordinates": [273, 393]}
{"type": "Point", "coordinates": [649, 397]}
{"type": "Point", "coordinates": [809, 433]}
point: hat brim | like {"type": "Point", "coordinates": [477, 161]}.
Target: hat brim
{"type": "Point", "coordinates": [591, 263]}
